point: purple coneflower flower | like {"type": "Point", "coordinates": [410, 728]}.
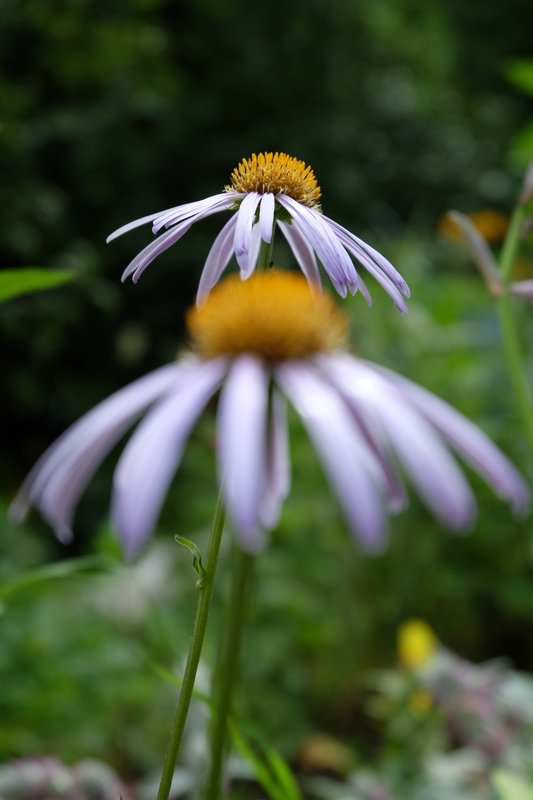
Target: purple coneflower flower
{"type": "Point", "coordinates": [261, 343]}
{"type": "Point", "coordinates": [265, 190]}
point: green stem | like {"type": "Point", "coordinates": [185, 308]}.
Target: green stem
{"type": "Point", "coordinates": [513, 355]}
{"type": "Point", "coordinates": [195, 649]}
{"type": "Point", "coordinates": [228, 669]}
{"type": "Point", "coordinates": [264, 259]}
{"type": "Point", "coordinates": [511, 341]}
{"type": "Point", "coordinates": [510, 244]}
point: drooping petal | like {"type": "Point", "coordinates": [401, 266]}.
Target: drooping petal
{"type": "Point", "coordinates": [166, 240]}
{"type": "Point", "coordinates": [242, 439]}
{"type": "Point", "coordinates": [342, 371]}
{"type": "Point", "coordinates": [152, 455]}
{"type": "Point", "coordinates": [361, 248]}
{"type": "Point", "coordinates": [522, 289]}
{"type": "Point", "coordinates": [213, 204]}
{"type": "Point", "coordinates": [136, 223]}
{"type": "Point", "coordinates": [303, 252]}
{"type": "Point", "coordinates": [143, 259]}
{"type": "Point", "coordinates": [278, 465]}
{"type": "Point", "coordinates": [350, 465]}
{"type": "Point", "coordinates": [427, 461]}
{"type": "Point", "coordinates": [333, 256]}
{"type": "Point", "coordinates": [480, 252]}
{"type": "Point", "coordinates": [217, 260]}
{"type": "Point", "coordinates": [243, 228]}
{"type": "Point", "coordinates": [59, 477]}
{"type": "Point", "coordinates": [468, 440]}
{"type": "Point", "coordinates": [373, 266]}
{"type": "Point", "coordinates": [253, 254]}
{"type": "Point", "coordinates": [266, 216]}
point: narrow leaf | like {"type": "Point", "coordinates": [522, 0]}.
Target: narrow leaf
{"type": "Point", "coordinates": [16, 282]}
{"type": "Point", "coordinates": [196, 559]}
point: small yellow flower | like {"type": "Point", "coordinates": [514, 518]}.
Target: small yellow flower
{"type": "Point", "coordinates": [420, 703]}
{"type": "Point", "coordinates": [416, 643]}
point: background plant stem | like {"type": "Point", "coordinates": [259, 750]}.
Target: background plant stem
{"type": "Point", "coordinates": [511, 341]}
{"type": "Point", "coordinates": [195, 649]}
{"type": "Point", "coordinates": [227, 673]}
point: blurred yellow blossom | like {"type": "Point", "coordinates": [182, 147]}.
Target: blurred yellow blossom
{"type": "Point", "coordinates": [491, 224]}
{"type": "Point", "coordinates": [416, 643]}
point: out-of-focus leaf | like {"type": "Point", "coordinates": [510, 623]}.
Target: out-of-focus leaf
{"type": "Point", "coordinates": [520, 73]}
{"type": "Point", "coordinates": [509, 787]}
{"type": "Point", "coordinates": [15, 282]}
{"type": "Point", "coordinates": [61, 569]}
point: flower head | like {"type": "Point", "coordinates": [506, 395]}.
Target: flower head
{"type": "Point", "coordinates": [266, 191]}
{"type": "Point", "coordinates": [259, 344]}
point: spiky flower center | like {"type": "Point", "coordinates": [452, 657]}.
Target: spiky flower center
{"type": "Point", "coordinates": [274, 315]}
{"type": "Point", "coordinates": [276, 173]}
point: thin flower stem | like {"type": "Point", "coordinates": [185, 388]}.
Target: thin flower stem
{"type": "Point", "coordinates": [511, 243]}
{"type": "Point", "coordinates": [228, 669]}
{"type": "Point", "coordinates": [511, 341]}
{"type": "Point", "coordinates": [514, 358]}
{"type": "Point", "coordinates": [264, 259]}
{"type": "Point", "coordinates": [202, 612]}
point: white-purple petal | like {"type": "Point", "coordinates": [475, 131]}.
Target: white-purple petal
{"type": "Point", "coordinates": [468, 440]}
{"type": "Point", "coordinates": [374, 268]}
{"type": "Point", "coordinates": [303, 252]}
{"type": "Point", "coordinates": [278, 464]}
{"type": "Point", "coordinates": [243, 228]}
{"type": "Point", "coordinates": [253, 254]}
{"type": "Point", "coordinates": [217, 260]}
{"type": "Point", "coordinates": [266, 216]}
{"type": "Point", "coordinates": [152, 455]}
{"type": "Point", "coordinates": [57, 480]}
{"type": "Point", "coordinates": [427, 461]}
{"type": "Point", "coordinates": [522, 289]}
{"type": "Point", "coordinates": [344, 372]}
{"type": "Point", "coordinates": [136, 223]}
{"type": "Point", "coordinates": [354, 473]}
{"type": "Point", "coordinates": [213, 204]}
{"type": "Point", "coordinates": [166, 240]}
{"type": "Point", "coordinates": [361, 247]}
{"type": "Point", "coordinates": [143, 259]}
{"type": "Point", "coordinates": [242, 446]}
{"type": "Point", "coordinates": [333, 256]}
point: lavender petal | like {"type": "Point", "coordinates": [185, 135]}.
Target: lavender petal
{"type": "Point", "coordinates": [152, 455]}
{"type": "Point", "coordinates": [361, 247]}
{"type": "Point", "coordinates": [333, 256]}
{"type": "Point", "coordinates": [374, 268]}
{"type": "Point", "coordinates": [241, 446]}
{"type": "Point", "coordinates": [243, 228]}
{"type": "Point", "coordinates": [468, 440]}
{"type": "Point", "coordinates": [354, 473]}
{"type": "Point", "coordinates": [278, 466]}
{"type": "Point", "coordinates": [303, 252]}
{"type": "Point", "coordinates": [59, 477]}
{"type": "Point", "coordinates": [351, 380]}
{"type": "Point", "coordinates": [217, 260]}
{"type": "Point", "coordinates": [522, 289]}
{"type": "Point", "coordinates": [266, 216]}
{"type": "Point", "coordinates": [213, 204]}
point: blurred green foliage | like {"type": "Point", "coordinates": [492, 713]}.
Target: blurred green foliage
{"type": "Point", "coordinates": [114, 111]}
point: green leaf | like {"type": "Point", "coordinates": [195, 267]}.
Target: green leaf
{"type": "Point", "coordinates": [60, 569]}
{"type": "Point", "coordinates": [15, 282]}
{"type": "Point", "coordinates": [520, 73]}
{"type": "Point", "coordinates": [196, 560]}
{"type": "Point", "coordinates": [509, 787]}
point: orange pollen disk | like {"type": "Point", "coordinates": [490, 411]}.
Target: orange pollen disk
{"type": "Point", "coordinates": [274, 315]}
{"type": "Point", "coordinates": [276, 173]}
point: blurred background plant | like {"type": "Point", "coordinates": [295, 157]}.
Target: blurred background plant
{"type": "Point", "coordinates": [404, 110]}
